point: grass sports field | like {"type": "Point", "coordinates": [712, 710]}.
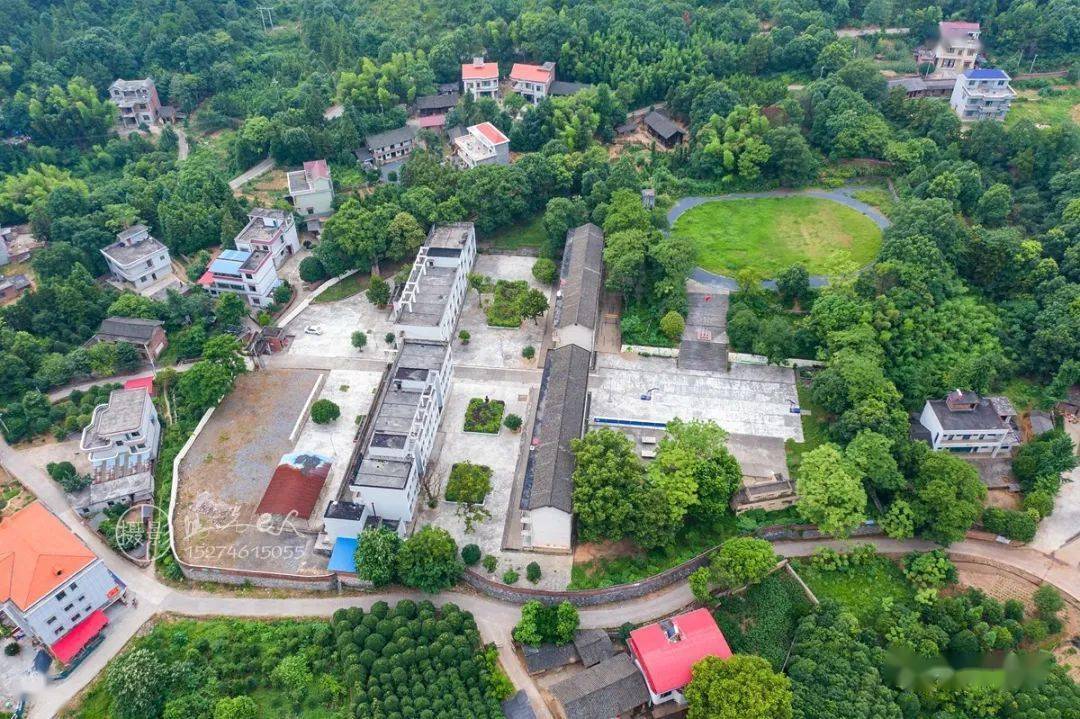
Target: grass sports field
{"type": "Point", "coordinates": [773, 233]}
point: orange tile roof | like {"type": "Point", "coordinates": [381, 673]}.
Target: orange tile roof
{"type": "Point", "coordinates": [492, 133]}
{"type": "Point", "coordinates": [530, 73]}
{"type": "Point", "coordinates": [481, 71]}
{"type": "Point", "coordinates": [37, 554]}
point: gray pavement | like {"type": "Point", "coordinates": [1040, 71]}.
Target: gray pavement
{"type": "Point", "coordinates": [251, 173]}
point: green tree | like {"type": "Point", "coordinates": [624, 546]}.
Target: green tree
{"type": "Point", "coordinates": [312, 269]}
{"type": "Point", "coordinates": [359, 340]}
{"type": "Point", "coordinates": [226, 351]}
{"type": "Point", "coordinates": [241, 707]}
{"type": "Point", "coordinates": [735, 144]}
{"type": "Point", "coordinates": [376, 555]}
{"type": "Point", "coordinates": [404, 236]}
{"type": "Point", "coordinates": [742, 560]}
{"type": "Point", "coordinates": [672, 325]}
{"type": "Point", "coordinates": [534, 304]}
{"type": "Point", "coordinates": [743, 686]}
{"type": "Point", "coordinates": [791, 160]}
{"type": "Point", "coordinates": [624, 258]}
{"type": "Point", "coordinates": [870, 453]}
{"type": "Point", "coordinates": [129, 304]}
{"type": "Point", "coordinates": [203, 385]}
{"type": "Point", "coordinates": [230, 310]}
{"type": "Point", "coordinates": [428, 560]}
{"type": "Point", "coordinates": [948, 497]}
{"type": "Point", "coordinates": [793, 283]}
{"type": "Point", "coordinates": [139, 678]}
{"type": "Point", "coordinates": [566, 622]}
{"type": "Point", "coordinates": [608, 482]}
{"type": "Point", "coordinates": [700, 581]}
{"type": "Point", "coordinates": [293, 675]}
{"type": "Point", "coordinates": [378, 292]}
{"type": "Point", "coordinates": [324, 411]}
{"type": "Point", "coordinates": [899, 520]}
{"type": "Point", "coordinates": [545, 270]}
{"type": "Point", "coordinates": [531, 629]}
{"type": "Point", "coordinates": [830, 491]}
{"type": "Point", "coordinates": [995, 205]}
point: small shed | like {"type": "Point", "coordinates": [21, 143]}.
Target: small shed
{"type": "Point", "coordinates": [664, 129]}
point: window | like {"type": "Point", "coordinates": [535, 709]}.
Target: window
{"type": "Point", "coordinates": [69, 607]}
{"type": "Point", "coordinates": [60, 595]}
{"type": "Point", "coordinates": [72, 587]}
{"type": "Point", "coordinates": [50, 620]}
{"type": "Point", "coordinates": [59, 630]}
{"type": "Point", "coordinates": [82, 598]}
{"type": "Point", "coordinates": [75, 617]}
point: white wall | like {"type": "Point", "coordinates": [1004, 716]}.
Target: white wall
{"type": "Point", "coordinates": [550, 528]}
{"type": "Point", "coordinates": [90, 592]}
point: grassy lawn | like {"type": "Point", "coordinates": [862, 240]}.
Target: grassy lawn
{"type": "Point", "coordinates": [877, 197]}
{"type": "Point", "coordinates": [773, 233]}
{"type": "Point", "coordinates": [528, 233]}
{"type": "Point", "coordinates": [814, 426]}
{"type": "Point", "coordinates": [860, 589]}
{"type": "Point", "coordinates": [1056, 110]}
{"type": "Point", "coordinates": [356, 282]}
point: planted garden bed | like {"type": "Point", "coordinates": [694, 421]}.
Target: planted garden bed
{"type": "Point", "coordinates": [469, 483]}
{"type": "Point", "coordinates": [484, 415]}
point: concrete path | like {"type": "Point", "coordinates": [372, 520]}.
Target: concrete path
{"type": "Point", "coordinates": [63, 392]}
{"type": "Point", "coordinates": [251, 173]}
{"type": "Point", "coordinates": [843, 195]}
{"type": "Point", "coordinates": [181, 143]}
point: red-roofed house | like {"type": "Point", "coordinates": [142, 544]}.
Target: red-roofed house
{"type": "Point", "coordinates": [51, 585]}
{"type": "Point", "coordinates": [311, 192]}
{"type": "Point", "coordinates": [480, 79]}
{"type": "Point", "coordinates": [957, 47]}
{"type": "Point", "coordinates": [482, 144]}
{"type": "Point", "coordinates": [666, 651]}
{"type": "Point", "coordinates": [533, 82]}
{"type": "Point", "coordinates": [146, 383]}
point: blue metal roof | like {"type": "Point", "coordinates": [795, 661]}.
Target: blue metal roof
{"type": "Point", "coordinates": [234, 255]}
{"type": "Point", "coordinates": [342, 557]}
{"type": "Point", "coordinates": [986, 74]}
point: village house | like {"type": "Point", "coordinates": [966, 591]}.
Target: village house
{"type": "Point", "coordinates": [957, 47]}
{"type": "Point", "coordinates": [12, 287]}
{"type": "Point", "coordinates": [612, 688]}
{"type": "Point", "coordinates": [148, 336]}
{"type": "Point", "coordinates": [137, 100]}
{"type": "Point", "coordinates": [480, 79]}
{"type": "Point", "coordinates": [311, 192]}
{"type": "Point", "coordinates": [271, 230]}
{"type": "Point", "coordinates": [52, 586]}
{"type": "Point", "coordinates": [431, 299]}
{"type": "Point", "coordinates": [436, 105]}
{"type": "Point", "coordinates": [666, 651]}
{"type": "Point", "coordinates": [533, 82]}
{"type": "Point", "coordinates": [139, 262]}
{"type": "Point", "coordinates": [982, 95]}
{"type": "Point", "coordinates": [577, 301]}
{"type": "Point", "coordinates": [966, 423]}
{"type": "Point", "coordinates": [482, 144]}
{"type": "Point", "coordinates": [385, 147]}
{"type": "Point", "coordinates": [918, 87]}
{"type": "Point", "coordinates": [663, 129]}
{"type": "Point", "coordinates": [248, 273]}
{"type": "Point", "coordinates": [122, 437]}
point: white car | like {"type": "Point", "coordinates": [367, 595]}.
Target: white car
{"type": "Point", "coordinates": [313, 330]}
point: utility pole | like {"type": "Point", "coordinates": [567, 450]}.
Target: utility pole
{"type": "Point", "coordinates": [266, 14]}
{"type": "Point", "coordinates": [1032, 68]}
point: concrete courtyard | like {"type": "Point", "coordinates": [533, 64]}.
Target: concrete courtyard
{"type": "Point", "coordinates": [1059, 534]}
{"type": "Point", "coordinates": [338, 320]}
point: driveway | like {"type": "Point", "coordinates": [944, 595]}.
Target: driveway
{"type": "Point", "coordinates": [1059, 534]}
{"type": "Point", "coordinates": [251, 173]}
{"type": "Point", "coordinates": [843, 195]}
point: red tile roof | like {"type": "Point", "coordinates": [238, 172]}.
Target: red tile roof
{"type": "Point", "coordinates": [207, 279]}
{"type": "Point", "coordinates": [146, 383]}
{"type": "Point", "coordinates": [433, 121]}
{"type": "Point", "coordinates": [295, 486]}
{"type": "Point", "coordinates": [317, 169]}
{"type": "Point", "coordinates": [481, 71]}
{"type": "Point", "coordinates": [530, 73]}
{"type": "Point", "coordinates": [492, 133]}
{"type": "Point", "coordinates": [37, 555]}
{"type": "Point", "coordinates": [69, 645]}
{"type": "Point", "coordinates": [957, 26]}
{"type": "Point", "coordinates": [666, 663]}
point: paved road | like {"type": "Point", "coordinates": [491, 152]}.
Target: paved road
{"type": "Point", "coordinates": [251, 173]}
{"type": "Point", "coordinates": [843, 195]}
{"type": "Point", "coordinates": [63, 392]}
{"type": "Point", "coordinates": [181, 143]}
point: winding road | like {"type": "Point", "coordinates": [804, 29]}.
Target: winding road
{"type": "Point", "coordinates": [843, 195]}
{"type": "Point", "coordinates": [495, 619]}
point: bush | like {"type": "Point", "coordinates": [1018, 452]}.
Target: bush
{"type": "Point", "coordinates": [545, 271]}
{"type": "Point", "coordinates": [1048, 601]}
{"type": "Point", "coordinates": [12, 649]}
{"type": "Point", "coordinates": [470, 554]}
{"type": "Point", "coordinates": [323, 411]}
{"type": "Point", "coordinates": [1039, 501]}
{"type": "Point", "coordinates": [468, 483]}
{"type": "Point", "coordinates": [532, 572]}
{"type": "Point", "coordinates": [378, 292]}
{"type": "Point", "coordinates": [490, 562]}
{"type": "Point", "coordinates": [484, 415]}
{"type": "Point", "coordinates": [464, 336]}
{"type": "Point", "coordinates": [312, 269]}
{"type": "Point", "coordinates": [510, 577]}
{"type": "Point", "coordinates": [390, 338]}
{"type": "Point", "coordinates": [359, 340]}
{"type": "Point", "coordinates": [929, 570]}
{"type": "Point", "coordinates": [672, 325]}
{"type": "Point", "coordinates": [528, 352]}
{"type": "Point", "coordinates": [512, 422]}
{"type": "Point", "coordinates": [743, 560]}
{"type": "Point", "coordinates": [65, 474]}
{"type": "Point", "coordinates": [1009, 523]}
{"type": "Point", "coordinates": [283, 293]}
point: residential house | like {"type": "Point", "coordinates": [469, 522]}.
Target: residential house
{"type": "Point", "coordinates": [248, 273]}
{"type": "Point", "coordinates": [577, 301]}
{"type": "Point", "coordinates": [12, 287]}
{"type": "Point", "coordinates": [663, 129]}
{"type": "Point", "coordinates": [518, 707]}
{"type": "Point", "coordinates": [431, 105]}
{"type": "Point", "coordinates": [957, 47]}
{"type": "Point", "coordinates": [919, 87]}
{"type": "Point", "coordinates": [982, 95]}
{"type": "Point", "coordinates": [148, 336]}
{"type": "Point", "coordinates": [480, 79]}
{"type": "Point", "coordinates": [312, 193]}
{"type": "Point", "coordinates": [548, 488]}
{"type": "Point", "coordinates": [482, 144]}
{"type": "Point", "coordinates": [430, 301]}
{"type": "Point", "coordinates": [533, 82]}
{"type": "Point", "coordinates": [966, 423]}
{"type": "Point", "coordinates": [137, 100]}
{"type": "Point", "coordinates": [52, 587]}
{"type": "Point", "coordinates": [386, 147]}
{"type": "Point", "coordinates": [271, 230]}
{"type": "Point", "coordinates": [612, 688]}
{"type": "Point", "coordinates": [666, 651]}
{"type": "Point", "coordinates": [122, 437]}
{"type": "Point", "coordinates": [139, 262]}
{"type": "Point", "coordinates": [396, 441]}
{"type": "Point", "coordinates": [560, 88]}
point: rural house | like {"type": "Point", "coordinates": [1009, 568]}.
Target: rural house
{"type": "Point", "coordinates": [431, 299]}
{"type": "Point", "coordinates": [248, 273]}
{"type": "Point", "coordinates": [480, 79]}
{"type": "Point", "coordinates": [139, 262]}
{"type": "Point", "coordinates": [957, 47]}
{"type": "Point", "coordinates": [482, 144]}
{"type": "Point", "coordinates": [982, 95]}
{"type": "Point", "coordinates": [966, 423]}
{"type": "Point", "coordinates": [311, 192]}
{"type": "Point", "coordinates": [533, 82]}
{"type": "Point", "coordinates": [148, 336]}
{"type": "Point", "coordinates": [666, 652]}
{"type": "Point", "coordinates": [271, 230]}
{"type": "Point", "coordinates": [137, 100]}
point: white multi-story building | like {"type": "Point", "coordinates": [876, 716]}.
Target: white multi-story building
{"type": "Point", "coordinates": [533, 82]}
{"type": "Point", "coordinates": [138, 261]}
{"type": "Point", "coordinates": [480, 79]}
{"type": "Point", "coordinates": [383, 479]}
{"type": "Point", "coordinates": [982, 95]}
{"type": "Point", "coordinates": [482, 144]}
{"type": "Point", "coordinates": [122, 437]}
{"type": "Point", "coordinates": [430, 302]}
{"type": "Point", "coordinates": [270, 230]}
{"type": "Point", "coordinates": [248, 273]}
{"type": "Point", "coordinates": [312, 193]}
{"type": "Point", "coordinates": [966, 423]}
{"type": "Point", "coordinates": [137, 100]}
{"type": "Point", "coordinates": [51, 585]}
{"type": "Point", "coordinates": [957, 47]}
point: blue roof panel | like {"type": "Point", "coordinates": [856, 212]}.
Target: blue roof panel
{"type": "Point", "coordinates": [234, 255]}
{"type": "Point", "coordinates": [342, 556]}
{"type": "Point", "coordinates": [986, 74]}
